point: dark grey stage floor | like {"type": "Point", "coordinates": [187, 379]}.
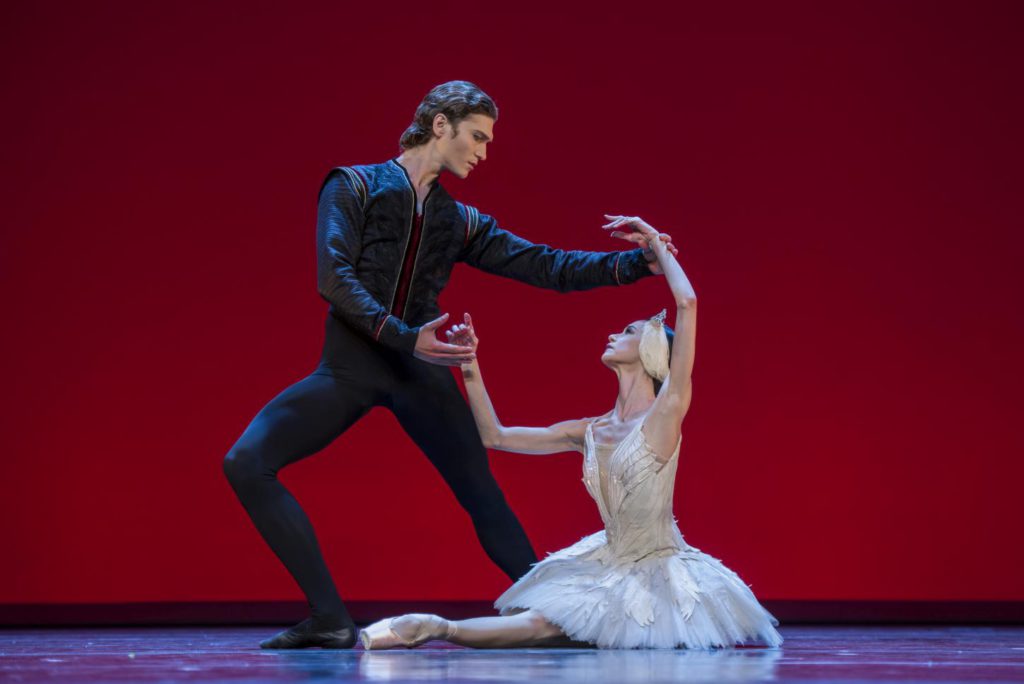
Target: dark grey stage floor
{"type": "Point", "coordinates": [229, 654]}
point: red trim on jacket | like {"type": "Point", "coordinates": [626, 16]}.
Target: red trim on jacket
{"type": "Point", "coordinates": [408, 265]}
{"type": "Point", "coordinates": [376, 334]}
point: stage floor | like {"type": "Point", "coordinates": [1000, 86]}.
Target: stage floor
{"type": "Point", "coordinates": [230, 654]}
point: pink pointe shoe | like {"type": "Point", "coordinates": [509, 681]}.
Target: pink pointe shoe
{"type": "Point", "coordinates": [381, 635]}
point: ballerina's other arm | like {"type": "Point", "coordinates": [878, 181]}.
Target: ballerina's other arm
{"type": "Point", "coordinates": [555, 439]}
{"type": "Point", "coordinates": [662, 426]}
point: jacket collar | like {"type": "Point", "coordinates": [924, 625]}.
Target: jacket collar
{"type": "Point", "coordinates": [393, 163]}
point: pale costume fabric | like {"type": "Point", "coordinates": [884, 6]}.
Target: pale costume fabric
{"type": "Point", "coordinates": [637, 584]}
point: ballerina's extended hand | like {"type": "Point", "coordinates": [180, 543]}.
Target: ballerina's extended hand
{"type": "Point", "coordinates": [463, 334]}
{"type": "Point", "coordinates": [642, 234]}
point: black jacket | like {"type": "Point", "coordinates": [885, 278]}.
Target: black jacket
{"type": "Point", "coordinates": [381, 268]}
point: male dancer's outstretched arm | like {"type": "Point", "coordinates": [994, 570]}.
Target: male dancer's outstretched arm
{"type": "Point", "coordinates": [495, 250]}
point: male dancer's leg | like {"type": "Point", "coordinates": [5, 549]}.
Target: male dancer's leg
{"type": "Point", "coordinates": [298, 422]}
{"type": "Point", "coordinates": [430, 408]}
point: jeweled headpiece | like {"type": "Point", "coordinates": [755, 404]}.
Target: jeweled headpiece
{"type": "Point", "coordinates": [654, 349]}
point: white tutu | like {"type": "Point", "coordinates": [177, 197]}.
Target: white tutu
{"type": "Point", "coordinates": [637, 584]}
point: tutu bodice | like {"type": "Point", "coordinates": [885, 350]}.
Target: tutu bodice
{"type": "Point", "coordinates": [633, 492]}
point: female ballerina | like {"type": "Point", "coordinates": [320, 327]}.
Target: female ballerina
{"type": "Point", "coordinates": [637, 583]}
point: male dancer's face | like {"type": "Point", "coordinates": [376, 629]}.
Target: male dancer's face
{"type": "Point", "coordinates": [464, 146]}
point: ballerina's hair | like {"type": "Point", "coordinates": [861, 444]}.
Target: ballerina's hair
{"type": "Point", "coordinates": [456, 100]}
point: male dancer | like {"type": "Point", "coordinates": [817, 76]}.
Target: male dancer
{"type": "Point", "coordinates": [388, 236]}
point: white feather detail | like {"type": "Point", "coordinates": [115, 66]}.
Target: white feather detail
{"type": "Point", "coordinates": [654, 349]}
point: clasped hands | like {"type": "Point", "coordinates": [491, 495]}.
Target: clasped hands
{"type": "Point", "coordinates": [460, 348]}
{"type": "Point", "coordinates": [642, 234]}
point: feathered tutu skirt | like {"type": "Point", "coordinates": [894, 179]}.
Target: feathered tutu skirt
{"type": "Point", "coordinates": [667, 599]}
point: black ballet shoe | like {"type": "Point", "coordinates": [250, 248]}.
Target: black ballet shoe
{"type": "Point", "coordinates": [302, 635]}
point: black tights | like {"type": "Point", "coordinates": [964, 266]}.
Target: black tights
{"type": "Point", "coordinates": [354, 376]}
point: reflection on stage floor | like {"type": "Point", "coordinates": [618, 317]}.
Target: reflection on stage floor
{"type": "Point", "coordinates": [230, 654]}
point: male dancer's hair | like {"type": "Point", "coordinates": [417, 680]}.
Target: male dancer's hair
{"type": "Point", "coordinates": [456, 100]}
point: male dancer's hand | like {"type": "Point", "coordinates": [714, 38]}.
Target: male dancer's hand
{"type": "Point", "coordinates": [432, 350]}
{"type": "Point", "coordinates": [641, 234]}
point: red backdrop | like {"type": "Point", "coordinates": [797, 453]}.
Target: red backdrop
{"type": "Point", "coordinates": [844, 184]}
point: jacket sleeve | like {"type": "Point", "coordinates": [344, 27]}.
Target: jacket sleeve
{"type": "Point", "coordinates": [498, 251]}
{"type": "Point", "coordinates": [339, 233]}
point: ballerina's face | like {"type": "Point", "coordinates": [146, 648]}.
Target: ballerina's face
{"type": "Point", "coordinates": [623, 347]}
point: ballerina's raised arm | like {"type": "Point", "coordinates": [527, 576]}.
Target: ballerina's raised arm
{"type": "Point", "coordinates": [662, 426]}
